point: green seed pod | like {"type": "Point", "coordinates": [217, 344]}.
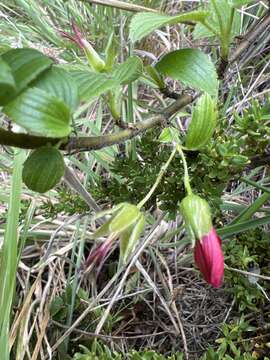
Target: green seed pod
{"type": "Point", "coordinates": [43, 169]}
{"type": "Point", "coordinates": [203, 123]}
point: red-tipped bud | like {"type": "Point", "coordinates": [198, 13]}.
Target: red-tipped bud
{"type": "Point", "coordinates": [93, 57]}
{"type": "Point", "coordinates": [207, 245]}
{"type": "Point", "coordinates": [209, 258]}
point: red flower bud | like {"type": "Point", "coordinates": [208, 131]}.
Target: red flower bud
{"type": "Point", "coordinates": [209, 258]}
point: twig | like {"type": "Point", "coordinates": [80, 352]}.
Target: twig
{"type": "Point", "coordinates": [169, 93]}
{"type": "Point", "coordinates": [248, 273]}
{"type": "Point", "coordinates": [250, 37]}
{"type": "Point", "coordinates": [109, 337]}
{"type": "Point", "coordinates": [26, 141]}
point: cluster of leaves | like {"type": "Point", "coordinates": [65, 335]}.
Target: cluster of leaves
{"type": "Point", "coordinates": [37, 95]}
{"type": "Point", "coordinates": [252, 247]}
{"type": "Point", "coordinates": [231, 345]}
{"type": "Point", "coordinates": [69, 203]}
{"type": "Point", "coordinates": [253, 127]}
{"type": "Point", "coordinates": [100, 351]}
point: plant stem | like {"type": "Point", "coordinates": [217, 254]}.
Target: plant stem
{"type": "Point", "coordinates": [26, 141]}
{"type": "Point", "coordinates": [158, 179]}
{"type": "Point", "coordinates": [186, 176]}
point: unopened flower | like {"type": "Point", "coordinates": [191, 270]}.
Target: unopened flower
{"type": "Point", "coordinates": [98, 255]}
{"type": "Point", "coordinates": [93, 57]}
{"type": "Point", "coordinates": [126, 223]}
{"type": "Point", "coordinates": [209, 258]}
{"type": "Point", "coordinates": [207, 245]}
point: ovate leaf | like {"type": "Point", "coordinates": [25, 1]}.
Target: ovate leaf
{"type": "Point", "coordinates": [203, 123]}
{"type": "Point", "coordinates": [143, 24]}
{"type": "Point", "coordinates": [7, 83]}
{"type": "Point", "coordinates": [40, 113]}
{"type": "Point", "coordinates": [92, 84]}
{"type": "Point", "coordinates": [43, 169]}
{"type": "Point", "coordinates": [192, 67]}
{"type": "Point", "coordinates": [26, 65]}
{"type": "Point", "coordinates": [129, 71]}
{"type": "Point", "coordinates": [59, 83]}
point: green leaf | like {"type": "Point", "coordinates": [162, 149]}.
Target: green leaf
{"type": "Point", "coordinates": [129, 239]}
{"type": "Point", "coordinates": [40, 113]}
{"type": "Point", "coordinates": [203, 123]}
{"type": "Point", "coordinates": [92, 84]}
{"type": "Point", "coordinates": [26, 65]}
{"type": "Point", "coordinates": [192, 67]}
{"type": "Point", "coordinates": [59, 83]}
{"type": "Point", "coordinates": [143, 24]}
{"type": "Point", "coordinates": [7, 83]}
{"type": "Point", "coordinates": [129, 71]}
{"type": "Point", "coordinates": [43, 169]}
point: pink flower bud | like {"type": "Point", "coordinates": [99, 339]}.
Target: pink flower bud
{"type": "Point", "coordinates": [97, 256]}
{"type": "Point", "coordinates": [209, 258]}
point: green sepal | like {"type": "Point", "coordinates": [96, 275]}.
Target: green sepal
{"type": "Point", "coordinates": [93, 58]}
{"type": "Point", "coordinates": [129, 239]}
{"type": "Point", "coordinates": [102, 230]}
{"type": "Point", "coordinates": [124, 218]}
{"type": "Point", "coordinates": [197, 216]}
{"type": "Point", "coordinates": [105, 228]}
{"type": "Point", "coordinates": [100, 214]}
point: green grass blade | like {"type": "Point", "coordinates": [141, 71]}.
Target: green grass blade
{"type": "Point", "coordinates": [243, 226]}
{"type": "Point", "coordinates": [8, 259]}
{"type": "Point", "coordinates": [252, 209]}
